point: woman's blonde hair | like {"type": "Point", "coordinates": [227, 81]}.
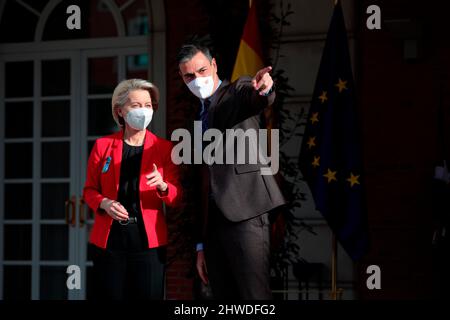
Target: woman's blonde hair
{"type": "Point", "coordinates": [122, 91]}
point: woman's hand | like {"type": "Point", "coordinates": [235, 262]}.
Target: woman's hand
{"type": "Point", "coordinates": [114, 209]}
{"type": "Point", "coordinates": [155, 179]}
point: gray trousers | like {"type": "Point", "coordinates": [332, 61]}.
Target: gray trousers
{"type": "Point", "coordinates": [237, 257]}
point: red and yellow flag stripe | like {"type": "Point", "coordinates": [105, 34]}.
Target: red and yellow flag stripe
{"type": "Point", "coordinates": [249, 58]}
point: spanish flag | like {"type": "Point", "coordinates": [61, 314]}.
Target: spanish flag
{"type": "Point", "coordinates": [249, 58]}
{"type": "Point", "coordinates": [249, 61]}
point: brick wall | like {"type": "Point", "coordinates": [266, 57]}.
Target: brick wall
{"type": "Point", "coordinates": [183, 18]}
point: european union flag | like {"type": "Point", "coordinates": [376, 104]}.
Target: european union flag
{"type": "Point", "coordinates": [330, 157]}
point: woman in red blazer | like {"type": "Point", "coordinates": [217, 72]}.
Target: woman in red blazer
{"type": "Point", "coordinates": [130, 175]}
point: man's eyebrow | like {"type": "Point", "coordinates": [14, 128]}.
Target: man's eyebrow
{"type": "Point", "coordinates": [189, 74]}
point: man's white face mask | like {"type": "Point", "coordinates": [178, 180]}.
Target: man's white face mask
{"type": "Point", "coordinates": [202, 87]}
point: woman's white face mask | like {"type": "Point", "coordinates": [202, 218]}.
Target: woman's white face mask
{"type": "Point", "coordinates": [139, 118]}
{"type": "Point", "coordinates": [202, 87]}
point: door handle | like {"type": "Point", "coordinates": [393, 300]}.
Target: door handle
{"type": "Point", "coordinates": [69, 207]}
{"type": "Point", "coordinates": [81, 206]}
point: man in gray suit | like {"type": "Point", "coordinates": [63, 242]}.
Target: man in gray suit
{"type": "Point", "coordinates": [233, 249]}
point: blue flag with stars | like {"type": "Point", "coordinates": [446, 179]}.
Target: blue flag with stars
{"type": "Point", "coordinates": [330, 158]}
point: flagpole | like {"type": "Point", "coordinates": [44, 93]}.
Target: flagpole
{"type": "Point", "coordinates": [335, 292]}
{"type": "Point", "coordinates": [333, 268]}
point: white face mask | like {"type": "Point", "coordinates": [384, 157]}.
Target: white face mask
{"type": "Point", "coordinates": [139, 118]}
{"type": "Point", "coordinates": [202, 87]}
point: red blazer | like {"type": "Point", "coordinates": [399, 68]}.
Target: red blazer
{"type": "Point", "coordinates": [101, 183]}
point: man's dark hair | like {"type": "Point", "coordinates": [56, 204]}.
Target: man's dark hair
{"type": "Point", "coordinates": [187, 51]}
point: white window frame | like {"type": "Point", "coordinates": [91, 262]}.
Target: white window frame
{"type": "Point", "coordinates": [38, 50]}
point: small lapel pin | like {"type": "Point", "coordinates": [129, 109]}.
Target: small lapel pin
{"type": "Point", "coordinates": [106, 166]}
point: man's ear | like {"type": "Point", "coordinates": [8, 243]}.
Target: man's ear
{"type": "Point", "coordinates": [214, 64]}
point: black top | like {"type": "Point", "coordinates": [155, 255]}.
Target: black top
{"type": "Point", "coordinates": [130, 237]}
{"type": "Point", "coordinates": [129, 179]}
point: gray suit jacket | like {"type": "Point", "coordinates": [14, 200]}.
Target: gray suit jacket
{"type": "Point", "coordinates": [239, 190]}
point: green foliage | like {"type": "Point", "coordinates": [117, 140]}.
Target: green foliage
{"type": "Point", "coordinates": [290, 125]}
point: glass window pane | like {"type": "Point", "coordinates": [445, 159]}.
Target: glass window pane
{"type": "Point", "coordinates": [18, 160]}
{"type": "Point", "coordinates": [55, 28]}
{"type": "Point", "coordinates": [91, 249]}
{"type": "Point", "coordinates": [137, 66]}
{"type": "Point", "coordinates": [120, 2]}
{"type": "Point", "coordinates": [55, 160]}
{"type": "Point", "coordinates": [19, 77]}
{"type": "Point", "coordinates": [102, 75]}
{"type": "Point", "coordinates": [18, 201]}
{"type": "Point", "coordinates": [90, 292]}
{"type": "Point", "coordinates": [101, 22]}
{"type": "Point", "coordinates": [17, 23]}
{"type": "Point", "coordinates": [54, 242]}
{"type": "Point", "coordinates": [136, 19]}
{"type": "Point", "coordinates": [38, 5]}
{"type": "Point", "coordinates": [53, 283]}
{"type": "Point", "coordinates": [17, 282]}
{"type": "Point", "coordinates": [56, 118]}
{"type": "Point", "coordinates": [53, 198]}
{"type": "Point", "coordinates": [100, 120]}
{"type": "Point", "coordinates": [96, 21]}
{"type": "Point", "coordinates": [17, 242]}
{"type": "Point", "coordinates": [19, 119]}
{"type": "Point", "coordinates": [53, 84]}
{"type": "Point", "coordinates": [90, 145]}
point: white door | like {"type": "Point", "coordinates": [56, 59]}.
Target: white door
{"type": "Point", "coordinates": [101, 73]}
{"type": "Point", "coordinates": [52, 109]}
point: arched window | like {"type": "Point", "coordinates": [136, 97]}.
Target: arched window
{"type": "Point", "coordinates": [40, 20]}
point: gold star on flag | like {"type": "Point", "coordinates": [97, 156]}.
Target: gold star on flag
{"type": "Point", "coordinates": [316, 162]}
{"type": "Point", "coordinates": [314, 117]}
{"type": "Point", "coordinates": [330, 175]}
{"type": "Point", "coordinates": [342, 85]}
{"type": "Point", "coordinates": [311, 142]}
{"type": "Point", "coordinates": [353, 180]}
{"type": "Point", "coordinates": [323, 97]}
